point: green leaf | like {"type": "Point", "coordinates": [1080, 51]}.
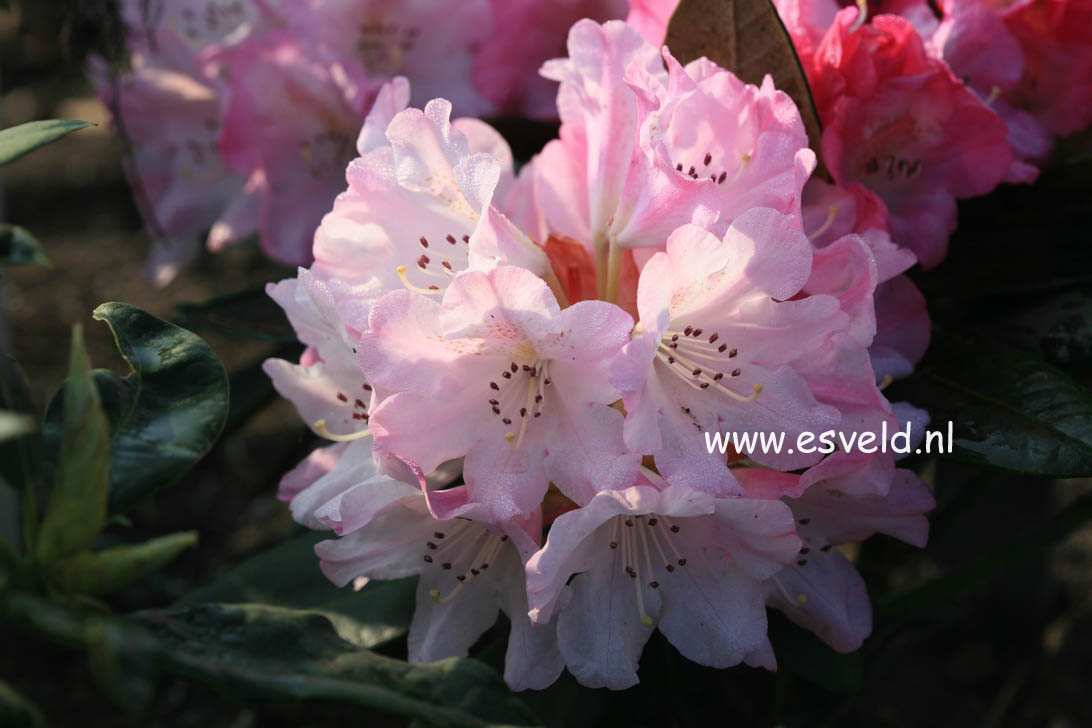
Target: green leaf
{"type": "Point", "coordinates": [19, 140]}
{"type": "Point", "coordinates": [112, 569]}
{"type": "Point", "coordinates": [963, 579]}
{"type": "Point", "coordinates": [748, 38]}
{"type": "Point", "coordinates": [271, 654]}
{"type": "Point", "coordinates": [801, 652]}
{"type": "Point", "coordinates": [77, 500]}
{"type": "Point", "coordinates": [245, 314]}
{"type": "Point", "coordinates": [18, 247]}
{"type": "Point", "coordinates": [994, 231]}
{"type": "Point", "coordinates": [288, 575]}
{"type": "Point", "coordinates": [1009, 410]}
{"type": "Point", "coordinates": [13, 425]}
{"type": "Point", "coordinates": [1060, 329]}
{"type": "Point", "coordinates": [16, 711]}
{"type": "Point", "coordinates": [19, 456]}
{"type": "Point", "coordinates": [165, 415]}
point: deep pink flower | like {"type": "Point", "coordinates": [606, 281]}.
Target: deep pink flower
{"type": "Point", "coordinates": [898, 121]}
{"type": "Point", "coordinates": [1057, 82]}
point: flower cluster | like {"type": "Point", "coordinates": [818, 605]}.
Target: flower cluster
{"type": "Point", "coordinates": [242, 114]}
{"type": "Point", "coordinates": [925, 103]}
{"type": "Point", "coordinates": [564, 338]}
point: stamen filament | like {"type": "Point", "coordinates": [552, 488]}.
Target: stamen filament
{"type": "Point", "coordinates": [831, 212]}
{"type": "Point", "coordinates": [320, 428]}
{"type": "Point", "coordinates": [401, 271]}
{"type": "Point", "coordinates": [665, 352]}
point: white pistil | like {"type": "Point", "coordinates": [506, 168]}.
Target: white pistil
{"type": "Point", "coordinates": [614, 271]}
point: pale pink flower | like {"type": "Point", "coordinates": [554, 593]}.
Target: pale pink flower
{"type": "Point", "coordinates": [469, 568]}
{"type": "Point", "coordinates": [845, 499]}
{"type": "Point", "coordinates": [657, 556]}
{"type": "Point", "coordinates": [418, 208]}
{"type": "Point", "coordinates": [200, 23]}
{"type": "Point", "coordinates": [717, 335]}
{"type": "Point", "coordinates": [498, 373]}
{"type": "Point", "coordinates": [643, 150]}
{"type": "Point", "coordinates": [326, 386]}
{"type": "Point", "coordinates": [899, 318]}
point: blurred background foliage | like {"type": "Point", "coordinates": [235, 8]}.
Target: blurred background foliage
{"type": "Point", "coordinates": [990, 625]}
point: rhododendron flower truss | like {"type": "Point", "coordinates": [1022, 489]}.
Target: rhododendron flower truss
{"type": "Point", "coordinates": [489, 319]}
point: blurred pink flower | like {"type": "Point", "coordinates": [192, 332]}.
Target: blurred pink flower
{"type": "Point", "coordinates": [526, 33]}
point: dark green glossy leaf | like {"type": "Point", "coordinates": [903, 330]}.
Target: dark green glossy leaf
{"type": "Point", "coordinates": [245, 314]}
{"type": "Point", "coordinates": [16, 711]}
{"type": "Point", "coordinates": [1009, 410]}
{"type": "Point", "coordinates": [164, 416]}
{"type": "Point", "coordinates": [748, 38]}
{"type": "Point", "coordinates": [1019, 239]}
{"type": "Point", "coordinates": [801, 652]}
{"type": "Point", "coordinates": [1060, 330]}
{"type": "Point", "coordinates": [19, 140]}
{"type": "Point", "coordinates": [77, 499]}
{"type": "Point", "coordinates": [107, 571]}
{"type": "Point", "coordinates": [18, 247]}
{"type": "Point", "coordinates": [264, 653]}
{"type": "Point", "coordinates": [963, 579]}
{"type": "Point", "coordinates": [288, 575]}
